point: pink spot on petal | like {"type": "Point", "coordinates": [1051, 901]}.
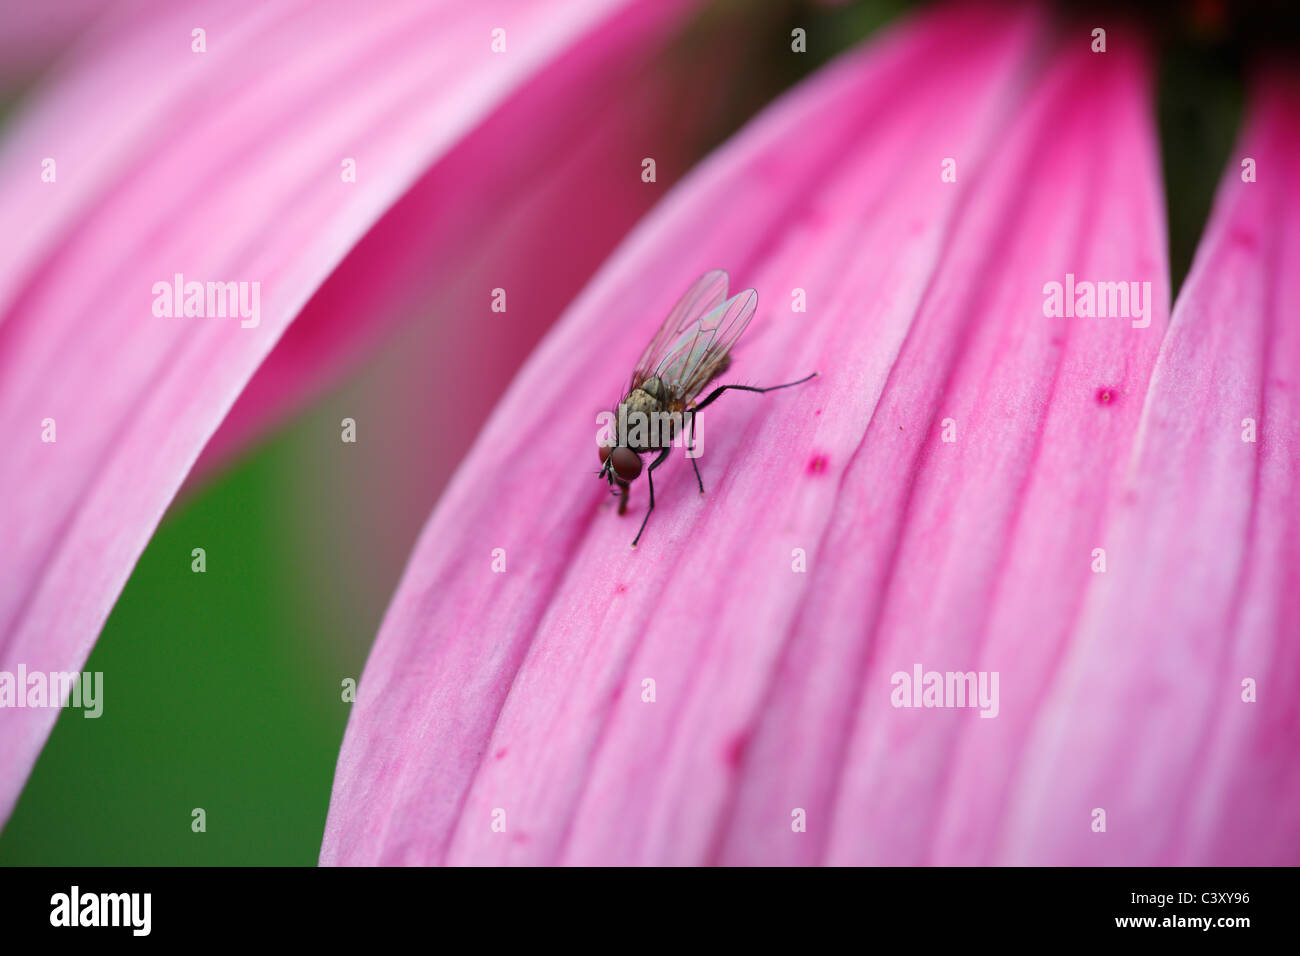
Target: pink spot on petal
{"type": "Point", "coordinates": [817, 465]}
{"type": "Point", "coordinates": [734, 753]}
{"type": "Point", "coordinates": [501, 753]}
{"type": "Point", "coordinates": [1243, 237]}
{"type": "Point", "coordinates": [1107, 396]}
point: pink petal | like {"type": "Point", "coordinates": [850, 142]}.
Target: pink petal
{"type": "Point", "coordinates": [522, 691]}
{"type": "Point", "coordinates": [1147, 719]}
{"type": "Point", "coordinates": [36, 33]}
{"type": "Point", "coordinates": [970, 555]}
{"type": "Point", "coordinates": [221, 166]}
{"type": "Point", "coordinates": [436, 253]}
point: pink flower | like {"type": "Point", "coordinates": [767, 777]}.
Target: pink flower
{"type": "Point", "coordinates": [1090, 516]}
{"type": "Point", "coordinates": [972, 486]}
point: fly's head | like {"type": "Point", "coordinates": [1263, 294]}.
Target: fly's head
{"type": "Point", "coordinates": [620, 460]}
{"type": "Point", "coordinates": [619, 464]}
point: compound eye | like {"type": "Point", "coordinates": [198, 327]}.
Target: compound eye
{"type": "Point", "coordinates": [627, 463]}
{"type": "Point", "coordinates": [604, 451]}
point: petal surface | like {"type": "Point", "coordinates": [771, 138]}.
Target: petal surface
{"type": "Point", "coordinates": [1202, 591]}
{"type": "Point", "coordinates": [519, 695]}
{"type": "Point", "coordinates": [36, 33]}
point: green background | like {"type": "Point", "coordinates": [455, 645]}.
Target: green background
{"type": "Point", "coordinates": [220, 692]}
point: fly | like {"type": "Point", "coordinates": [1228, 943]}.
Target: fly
{"type": "Point", "coordinates": [690, 350]}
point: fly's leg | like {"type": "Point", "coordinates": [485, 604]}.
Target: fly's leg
{"type": "Point", "coordinates": [650, 479]}
{"type": "Point", "coordinates": [746, 388]}
{"type": "Point", "coordinates": [691, 447]}
{"type": "Point", "coordinates": [713, 395]}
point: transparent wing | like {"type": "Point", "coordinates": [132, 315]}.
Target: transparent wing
{"type": "Point", "coordinates": [704, 296]}
{"type": "Point", "coordinates": [701, 351]}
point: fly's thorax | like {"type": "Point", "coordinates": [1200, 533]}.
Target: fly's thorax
{"type": "Point", "coordinates": [653, 386]}
{"type": "Point", "coordinates": [639, 401]}
{"type": "Point", "coordinates": [636, 415]}
{"type": "Point", "coordinates": [644, 422]}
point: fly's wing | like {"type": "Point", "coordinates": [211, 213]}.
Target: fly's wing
{"type": "Point", "coordinates": [700, 351]}
{"type": "Point", "coordinates": [704, 296]}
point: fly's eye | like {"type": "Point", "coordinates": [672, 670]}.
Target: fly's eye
{"type": "Point", "coordinates": [627, 463]}
{"type": "Point", "coordinates": [604, 451]}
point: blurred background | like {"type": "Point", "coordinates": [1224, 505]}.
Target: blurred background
{"type": "Point", "coordinates": [223, 690]}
